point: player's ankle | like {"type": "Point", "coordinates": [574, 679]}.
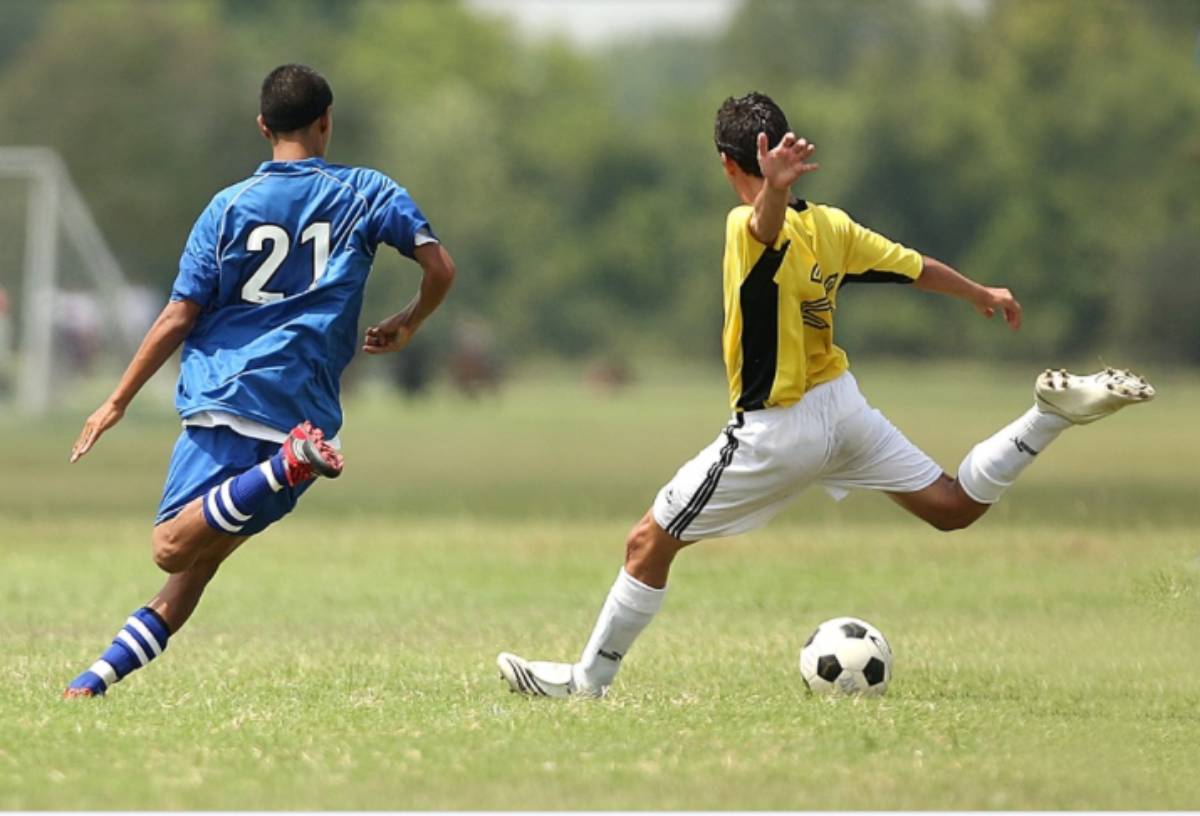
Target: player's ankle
{"type": "Point", "coordinates": [584, 686]}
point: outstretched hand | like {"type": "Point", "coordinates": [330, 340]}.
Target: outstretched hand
{"type": "Point", "coordinates": [101, 420]}
{"type": "Point", "coordinates": [389, 335]}
{"type": "Point", "coordinates": [787, 161]}
{"type": "Point", "coordinates": [1000, 299]}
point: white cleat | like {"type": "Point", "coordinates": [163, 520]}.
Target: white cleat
{"type": "Point", "coordinates": [1081, 400]}
{"type": "Point", "coordinates": [537, 678]}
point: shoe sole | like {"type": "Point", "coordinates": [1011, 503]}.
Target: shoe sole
{"type": "Point", "coordinates": [313, 458]}
{"type": "Point", "coordinates": [1057, 381]}
{"type": "Point", "coordinates": [81, 694]}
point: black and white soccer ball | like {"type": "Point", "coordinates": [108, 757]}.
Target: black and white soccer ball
{"type": "Point", "coordinates": [846, 656]}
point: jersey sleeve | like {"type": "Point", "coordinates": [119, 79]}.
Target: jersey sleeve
{"type": "Point", "coordinates": [870, 257]}
{"type": "Point", "coordinates": [199, 276]}
{"type": "Point", "coordinates": [742, 249]}
{"type": "Point", "coordinates": [397, 221]}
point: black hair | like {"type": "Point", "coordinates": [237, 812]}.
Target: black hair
{"type": "Point", "coordinates": [293, 96]}
{"type": "Point", "coordinates": [740, 120]}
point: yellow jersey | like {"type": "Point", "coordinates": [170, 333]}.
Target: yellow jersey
{"type": "Point", "coordinates": [779, 300]}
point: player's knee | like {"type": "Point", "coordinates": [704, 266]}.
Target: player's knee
{"type": "Point", "coordinates": [949, 523]}
{"type": "Point", "coordinates": [647, 541]}
{"type": "Point", "coordinates": [649, 552]}
{"type": "Point", "coordinates": [170, 554]}
{"type": "Point", "coordinates": [954, 518]}
{"type": "Point", "coordinates": [952, 509]}
{"type": "Point", "coordinates": [639, 542]}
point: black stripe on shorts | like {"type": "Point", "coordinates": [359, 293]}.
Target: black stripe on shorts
{"type": "Point", "coordinates": [709, 486]}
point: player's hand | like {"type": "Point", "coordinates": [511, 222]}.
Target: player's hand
{"type": "Point", "coordinates": [101, 420]}
{"type": "Point", "coordinates": [391, 335]}
{"type": "Point", "coordinates": [998, 299]}
{"type": "Point", "coordinates": [787, 161]}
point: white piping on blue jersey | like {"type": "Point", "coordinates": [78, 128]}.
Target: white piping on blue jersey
{"type": "Point", "coordinates": [348, 227]}
{"type": "Point", "coordinates": [362, 200]}
{"type": "Point", "coordinates": [225, 214]}
{"type": "Point", "coordinates": [352, 218]}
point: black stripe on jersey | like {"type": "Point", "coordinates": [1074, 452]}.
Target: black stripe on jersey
{"type": "Point", "coordinates": [759, 300]}
{"type": "Point", "coordinates": [875, 276]}
{"type": "Point", "coordinates": [709, 486]}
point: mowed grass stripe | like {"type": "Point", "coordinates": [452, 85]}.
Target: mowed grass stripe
{"type": "Point", "coordinates": [344, 659]}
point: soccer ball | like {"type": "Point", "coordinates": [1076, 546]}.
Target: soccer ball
{"type": "Point", "coordinates": [846, 655]}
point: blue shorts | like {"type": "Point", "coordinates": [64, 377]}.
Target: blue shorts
{"type": "Point", "coordinates": [205, 457]}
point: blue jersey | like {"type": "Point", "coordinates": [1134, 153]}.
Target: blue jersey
{"type": "Point", "coordinates": [278, 263]}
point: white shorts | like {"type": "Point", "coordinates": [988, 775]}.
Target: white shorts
{"type": "Point", "coordinates": [763, 459]}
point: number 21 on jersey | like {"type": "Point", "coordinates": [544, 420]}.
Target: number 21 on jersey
{"type": "Point", "coordinates": [255, 289]}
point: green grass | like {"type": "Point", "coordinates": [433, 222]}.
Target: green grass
{"type": "Point", "coordinates": [1046, 658]}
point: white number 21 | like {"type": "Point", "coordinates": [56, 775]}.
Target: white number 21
{"type": "Point", "coordinates": [254, 291]}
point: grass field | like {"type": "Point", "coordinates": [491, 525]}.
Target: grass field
{"type": "Point", "coordinates": [1046, 659]}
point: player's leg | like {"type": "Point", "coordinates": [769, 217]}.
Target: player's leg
{"type": "Point", "coordinates": [177, 599]}
{"type": "Point", "coordinates": [873, 454]}
{"type": "Point", "coordinates": [186, 539]}
{"type": "Point", "coordinates": [632, 602]}
{"type": "Point", "coordinates": [650, 550]}
{"type": "Point", "coordinates": [943, 504]}
{"type": "Point", "coordinates": [1060, 401]}
{"type": "Point", "coordinates": [227, 508]}
{"type": "Point", "coordinates": [148, 630]}
{"type": "Point", "coordinates": [736, 484]}
{"type": "Point", "coordinates": [231, 487]}
{"type": "Point", "coordinates": [990, 468]}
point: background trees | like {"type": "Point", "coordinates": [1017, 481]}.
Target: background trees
{"type": "Point", "coordinates": [1050, 146]}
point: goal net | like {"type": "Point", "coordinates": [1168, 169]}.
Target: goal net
{"type": "Point", "coordinates": [68, 317]}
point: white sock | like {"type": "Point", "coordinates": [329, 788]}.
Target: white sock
{"type": "Point", "coordinates": [996, 462]}
{"type": "Point", "coordinates": [629, 608]}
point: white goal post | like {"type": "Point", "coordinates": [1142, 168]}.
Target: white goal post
{"type": "Point", "coordinates": [54, 203]}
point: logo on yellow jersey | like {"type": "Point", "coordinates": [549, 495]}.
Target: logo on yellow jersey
{"type": "Point", "coordinates": [810, 310]}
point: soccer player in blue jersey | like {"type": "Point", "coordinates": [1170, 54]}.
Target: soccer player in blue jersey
{"type": "Point", "coordinates": [266, 306]}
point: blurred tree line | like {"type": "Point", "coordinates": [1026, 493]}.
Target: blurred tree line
{"type": "Point", "coordinates": [1052, 146]}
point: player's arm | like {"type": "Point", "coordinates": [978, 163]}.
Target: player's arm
{"type": "Point", "coordinates": [780, 166]}
{"type": "Point", "coordinates": [394, 333]}
{"type": "Point", "coordinates": [169, 330]}
{"type": "Point", "coordinates": [870, 257]}
{"type": "Point", "coordinates": [987, 300]}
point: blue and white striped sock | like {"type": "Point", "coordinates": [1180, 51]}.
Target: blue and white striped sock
{"type": "Point", "coordinates": [142, 638]}
{"type": "Point", "coordinates": [229, 505]}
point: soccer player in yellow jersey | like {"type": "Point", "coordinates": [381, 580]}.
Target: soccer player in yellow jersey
{"type": "Point", "coordinates": [798, 416]}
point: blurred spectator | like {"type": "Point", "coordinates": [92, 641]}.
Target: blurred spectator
{"type": "Point", "coordinates": [78, 328]}
{"type": "Point", "coordinates": [609, 374]}
{"type": "Point", "coordinates": [412, 368]}
{"type": "Point", "coordinates": [473, 363]}
{"type": "Point", "coordinates": [139, 307]}
{"type": "Point", "coordinates": [85, 327]}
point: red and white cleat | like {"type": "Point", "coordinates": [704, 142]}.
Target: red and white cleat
{"type": "Point", "coordinates": [306, 455]}
{"type": "Point", "coordinates": [75, 693]}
